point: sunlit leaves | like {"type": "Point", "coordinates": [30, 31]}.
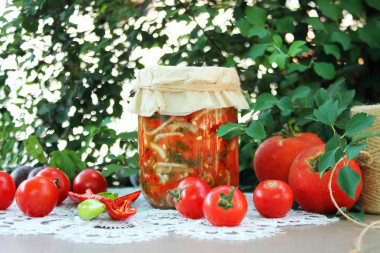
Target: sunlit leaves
{"type": "Point", "coordinates": [328, 112]}
{"type": "Point", "coordinates": [230, 130]}
{"type": "Point", "coordinates": [34, 148]}
{"type": "Point", "coordinates": [68, 161]}
{"type": "Point", "coordinates": [357, 123]}
{"type": "Point", "coordinates": [256, 130]}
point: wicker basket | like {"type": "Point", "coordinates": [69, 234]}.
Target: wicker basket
{"type": "Point", "coordinates": [369, 200]}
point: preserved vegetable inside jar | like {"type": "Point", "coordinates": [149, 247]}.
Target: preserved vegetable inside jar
{"type": "Point", "coordinates": [174, 147]}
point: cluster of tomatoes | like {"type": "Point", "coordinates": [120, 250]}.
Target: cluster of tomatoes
{"type": "Point", "coordinates": [37, 196]}
{"type": "Point", "coordinates": [294, 160]}
{"type": "Point", "coordinates": [227, 206]}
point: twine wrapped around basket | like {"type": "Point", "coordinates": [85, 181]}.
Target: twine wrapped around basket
{"type": "Point", "coordinates": [369, 160]}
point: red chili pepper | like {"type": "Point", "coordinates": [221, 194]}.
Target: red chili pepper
{"type": "Point", "coordinates": [77, 198]}
{"type": "Point", "coordinates": [143, 158]}
{"type": "Point", "coordinates": [117, 210]}
{"type": "Point", "coordinates": [151, 177]}
{"type": "Point", "coordinates": [121, 213]}
{"type": "Point", "coordinates": [154, 122]}
{"type": "Point", "coordinates": [129, 197]}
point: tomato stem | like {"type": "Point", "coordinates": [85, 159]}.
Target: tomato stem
{"type": "Point", "coordinates": [225, 201]}
{"type": "Point", "coordinates": [176, 193]}
{"type": "Point", "coordinates": [287, 131]}
{"type": "Point", "coordinates": [56, 183]}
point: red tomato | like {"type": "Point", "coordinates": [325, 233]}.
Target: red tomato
{"type": "Point", "coordinates": [311, 192]}
{"type": "Point", "coordinates": [225, 206]}
{"type": "Point", "coordinates": [61, 180]}
{"type": "Point", "coordinates": [89, 179]}
{"type": "Point", "coordinates": [7, 190]}
{"type": "Point", "coordinates": [275, 155]}
{"type": "Point", "coordinates": [273, 198]}
{"type": "Point", "coordinates": [189, 196]}
{"type": "Point", "coordinates": [37, 196]}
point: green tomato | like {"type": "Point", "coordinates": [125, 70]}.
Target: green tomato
{"type": "Point", "coordinates": [90, 208]}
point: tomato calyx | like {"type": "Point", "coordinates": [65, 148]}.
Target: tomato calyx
{"type": "Point", "coordinates": [225, 201]}
{"type": "Point", "coordinates": [56, 183]}
{"type": "Point", "coordinates": [176, 193]}
{"type": "Point", "coordinates": [287, 131]}
{"type": "Point", "coordinates": [314, 160]}
{"type": "Point", "coordinates": [272, 184]}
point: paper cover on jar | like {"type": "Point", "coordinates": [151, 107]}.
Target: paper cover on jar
{"type": "Point", "coordinates": [179, 91]}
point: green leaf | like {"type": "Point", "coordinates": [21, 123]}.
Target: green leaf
{"type": "Point", "coordinates": [133, 161]}
{"type": "Point", "coordinates": [230, 130]}
{"type": "Point", "coordinates": [364, 135]}
{"type": "Point", "coordinates": [34, 149]}
{"type": "Point", "coordinates": [256, 16]}
{"type": "Point", "coordinates": [352, 151]}
{"type": "Point", "coordinates": [353, 6]}
{"type": "Point", "coordinates": [286, 106]}
{"type": "Point", "coordinates": [333, 143]}
{"type": "Point", "coordinates": [285, 25]}
{"type": "Point", "coordinates": [370, 34]}
{"type": "Point", "coordinates": [41, 3]}
{"type": "Point", "coordinates": [258, 50]}
{"type": "Point", "coordinates": [342, 38]}
{"type": "Point", "coordinates": [325, 70]}
{"type": "Point", "coordinates": [320, 97]}
{"type": "Point", "coordinates": [333, 50]}
{"type": "Point", "coordinates": [67, 161]}
{"type": "Point", "coordinates": [265, 101]}
{"type": "Point", "coordinates": [295, 47]}
{"type": "Point", "coordinates": [257, 31]}
{"type": "Point", "coordinates": [329, 9]}
{"type": "Point", "coordinates": [128, 136]}
{"type": "Point", "coordinates": [348, 180]}
{"type": "Point", "coordinates": [296, 67]}
{"type": "Point", "coordinates": [256, 130]}
{"type": "Point", "coordinates": [130, 171]}
{"type": "Point", "coordinates": [327, 113]}
{"type": "Point", "coordinates": [280, 59]}
{"type": "Point", "coordinates": [110, 169]}
{"type": "Point", "coordinates": [358, 215]}
{"type": "Point", "coordinates": [357, 123]}
{"type": "Point", "coordinates": [266, 118]}
{"type": "Point", "coordinates": [347, 98]}
{"type": "Point", "coordinates": [335, 87]}
{"type": "Point", "coordinates": [277, 40]}
{"type": "Point", "coordinates": [315, 23]}
{"type": "Point", "coordinates": [301, 92]}
{"type": "Point", "coordinates": [30, 24]}
{"type": "Point", "coordinates": [244, 27]}
{"type": "Point", "coordinates": [374, 4]}
{"type": "Point", "coordinates": [326, 161]}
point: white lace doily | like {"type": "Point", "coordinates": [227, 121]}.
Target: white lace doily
{"type": "Point", "coordinates": [148, 224]}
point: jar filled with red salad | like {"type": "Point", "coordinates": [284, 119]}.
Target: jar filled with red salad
{"type": "Point", "coordinates": [180, 111]}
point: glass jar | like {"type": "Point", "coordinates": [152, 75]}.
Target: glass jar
{"type": "Point", "coordinates": [180, 110]}
{"type": "Point", "coordinates": [174, 147]}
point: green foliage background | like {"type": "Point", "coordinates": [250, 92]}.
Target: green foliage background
{"type": "Point", "coordinates": [325, 50]}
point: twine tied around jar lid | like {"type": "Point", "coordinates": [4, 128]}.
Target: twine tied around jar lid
{"type": "Point", "coordinates": [180, 91]}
